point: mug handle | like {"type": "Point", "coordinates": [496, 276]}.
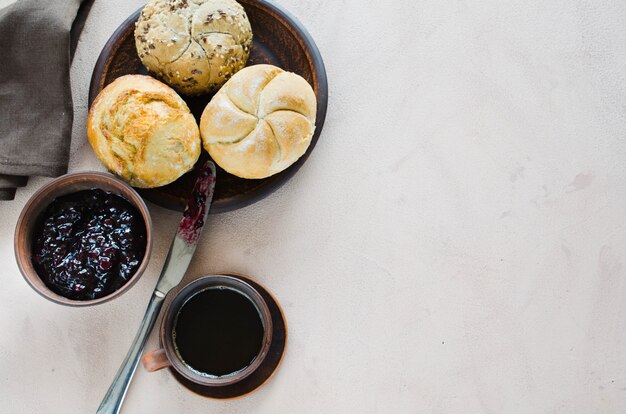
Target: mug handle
{"type": "Point", "coordinates": [155, 360]}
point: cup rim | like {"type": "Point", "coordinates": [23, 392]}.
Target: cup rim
{"type": "Point", "coordinates": [185, 294]}
{"type": "Point", "coordinates": [23, 229]}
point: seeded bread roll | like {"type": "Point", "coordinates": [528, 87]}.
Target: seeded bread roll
{"type": "Point", "coordinates": [141, 130]}
{"type": "Point", "coordinates": [260, 122]}
{"type": "Point", "coordinates": [194, 46]}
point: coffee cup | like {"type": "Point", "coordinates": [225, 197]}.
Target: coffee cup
{"type": "Point", "coordinates": [215, 332]}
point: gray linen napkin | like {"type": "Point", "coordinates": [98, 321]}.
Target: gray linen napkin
{"type": "Point", "coordinates": [35, 96]}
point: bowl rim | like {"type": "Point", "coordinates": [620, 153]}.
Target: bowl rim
{"type": "Point", "coordinates": [22, 227]}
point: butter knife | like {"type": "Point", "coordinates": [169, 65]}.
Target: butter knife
{"type": "Point", "coordinates": [178, 259]}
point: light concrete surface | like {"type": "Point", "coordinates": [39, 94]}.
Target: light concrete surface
{"type": "Point", "coordinates": [455, 244]}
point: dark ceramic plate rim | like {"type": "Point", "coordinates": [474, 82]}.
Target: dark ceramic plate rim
{"type": "Point", "coordinates": [273, 183]}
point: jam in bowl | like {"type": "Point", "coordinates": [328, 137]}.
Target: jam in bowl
{"type": "Point", "coordinates": [88, 244]}
{"type": "Point", "coordinates": [83, 239]}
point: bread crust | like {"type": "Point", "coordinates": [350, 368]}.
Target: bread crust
{"type": "Point", "coordinates": [260, 122]}
{"type": "Point", "coordinates": [195, 46]}
{"type": "Point", "coordinates": [141, 130]}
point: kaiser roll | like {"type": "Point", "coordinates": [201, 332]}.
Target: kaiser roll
{"type": "Point", "coordinates": [143, 131]}
{"type": "Point", "coordinates": [260, 122]}
{"type": "Point", "coordinates": [193, 45]}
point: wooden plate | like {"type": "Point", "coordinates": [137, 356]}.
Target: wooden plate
{"type": "Point", "coordinates": [280, 40]}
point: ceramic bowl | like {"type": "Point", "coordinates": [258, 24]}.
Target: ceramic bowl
{"type": "Point", "coordinates": [63, 185]}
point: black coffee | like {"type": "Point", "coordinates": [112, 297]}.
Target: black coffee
{"type": "Point", "coordinates": [218, 332]}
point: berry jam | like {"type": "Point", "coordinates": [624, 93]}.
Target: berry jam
{"type": "Point", "coordinates": [88, 244]}
{"type": "Point", "coordinates": [200, 199]}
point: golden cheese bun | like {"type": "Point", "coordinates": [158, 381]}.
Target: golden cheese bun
{"type": "Point", "coordinates": [141, 130]}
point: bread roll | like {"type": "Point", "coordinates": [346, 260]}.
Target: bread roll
{"type": "Point", "coordinates": [143, 131]}
{"type": "Point", "coordinates": [260, 122]}
{"type": "Point", "coordinates": [193, 45]}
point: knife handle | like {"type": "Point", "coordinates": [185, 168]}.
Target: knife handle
{"type": "Point", "coordinates": [112, 401]}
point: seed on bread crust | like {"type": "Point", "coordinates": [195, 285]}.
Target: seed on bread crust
{"type": "Point", "coordinates": [207, 33]}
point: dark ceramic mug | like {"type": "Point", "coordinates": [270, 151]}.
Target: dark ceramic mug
{"type": "Point", "coordinates": [167, 356]}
